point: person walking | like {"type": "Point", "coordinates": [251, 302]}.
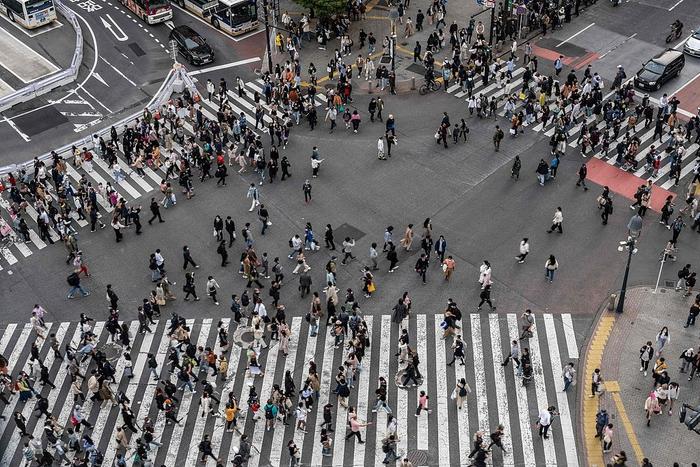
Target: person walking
{"type": "Point", "coordinates": [348, 245]}
{"type": "Point", "coordinates": [524, 249]}
{"type": "Point", "coordinates": [662, 338]}
{"type": "Point", "coordinates": [596, 381]}
{"type": "Point", "coordinates": [557, 221]}
{"type": "Point", "coordinates": [651, 407]}
{"type": "Point", "coordinates": [544, 420]}
{"type": "Point", "coordinates": [607, 437]}
{"type": "Point", "coordinates": [212, 285]}
{"type": "Point", "coordinates": [497, 138]}
{"type": "Point", "coordinates": [155, 210]}
{"type": "Point", "coordinates": [497, 439]}
{"type": "Point", "coordinates": [569, 375]}
{"type": "Point", "coordinates": [485, 297]}
{"type": "Point", "coordinates": [187, 256]}
{"type": "Point", "coordinates": [582, 174]}
{"type": "Point", "coordinates": [645, 355]}
{"type": "Point", "coordinates": [306, 188]}
{"type": "Point", "coordinates": [514, 353]}
{"type": "Point", "coordinates": [550, 266]}
{"type": "Point", "coordinates": [355, 427]}
{"type": "Point", "coordinates": [422, 404]}
{"type": "Point", "coordinates": [601, 421]}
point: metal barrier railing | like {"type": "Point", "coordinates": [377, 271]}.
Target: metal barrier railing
{"type": "Point", "coordinates": [56, 80]}
{"type": "Point", "coordinates": [177, 74]}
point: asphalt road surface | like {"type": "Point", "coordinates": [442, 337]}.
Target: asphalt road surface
{"type": "Point", "coordinates": [468, 193]}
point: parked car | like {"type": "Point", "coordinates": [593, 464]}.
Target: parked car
{"type": "Point", "coordinates": [659, 70]}
{"type": "Point", "coordinates": [692, 45]}
{"type": "Point", "coordinates": [191, 45]}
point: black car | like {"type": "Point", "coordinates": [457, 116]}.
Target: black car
{"type": "Point", "coordinates": [660, 69]}
{"type": "Point", "coordinates": [191, 45]}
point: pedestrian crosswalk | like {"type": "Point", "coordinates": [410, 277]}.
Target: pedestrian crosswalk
{"type": "Point", "coordinates": [644, 134]}
{"type": "Point", "coordinates": [442, 437]}
{"type": "Point", "coordinates": [132, 187]}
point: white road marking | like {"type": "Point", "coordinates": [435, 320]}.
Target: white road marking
{"type": "Point", "coordinates": [421, 339]}
{"type": "Point", "coordinates": [16, 128]}
{"type": "Point", "coordinates": [442, 393]}
{"type": "Point", "coordinates": [550, 453]}
{"type": "Point", "coordinates": [363, 391]}
{"type": "Point", "coordinates": [500, 386]}
{"type": "Point", "coordinates": [521, 397]}
{"type": "Point", "coordinates": [114, 28]}
{"type": "Point", "coordinates": [570, 335]}
{"type": "Point", "coordinates": [117, 71]}
{"type": "Point", "coordinates": [574, 35]}
{"type": "Point", "coordinates": [186, 409]}
{"type": "Point", "coordinates": [259, 430]}
{"type": "Point", "coordinates": [482, 404]}
{"type": "Point", "coordinates": [100, 424]}
{"type": "Point", "coordinates": [463, 433]}
{"type": "Point", "coordinates": [7, 336]}
{"type": "Point", "coordinates": [380, 420]}
{"type": "Point", "coordinates": [675, 5]}
{"type": "Point", "coordinates": [290, 360]}
{"type": "Point", "coordinates": [224, 66]}
{"type": "Point", "coordinates": [567, 430]}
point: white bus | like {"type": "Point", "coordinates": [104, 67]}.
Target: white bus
{"type": "Point", "coordinates": [29, 13]}
{"type": "Point", "coordinates": [234, 17]}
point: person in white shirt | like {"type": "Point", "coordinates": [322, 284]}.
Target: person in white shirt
{"type": "Point", "coordinates": [524, 250]}
{"type": "Point", "coordinates": [545, 420]}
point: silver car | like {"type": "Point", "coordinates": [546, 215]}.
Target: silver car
{"type": "Point", "coordinates": [692, 45]}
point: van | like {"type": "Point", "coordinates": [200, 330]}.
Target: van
{"type": "Point", "coordinates": [659, 69]}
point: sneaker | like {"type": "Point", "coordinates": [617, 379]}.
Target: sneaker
{"type": "Point", "coordinates": [641, 369]}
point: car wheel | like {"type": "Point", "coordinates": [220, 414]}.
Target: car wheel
{"type": "Point", "coordinates": [215, 23]}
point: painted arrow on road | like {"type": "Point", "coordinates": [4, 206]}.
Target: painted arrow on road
{"type": "Point", "coordinates": [113, 28]}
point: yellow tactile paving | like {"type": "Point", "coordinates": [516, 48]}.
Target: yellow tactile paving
{"type": "Point", "coordinates": [594, 357]}
{"type": "Point", "coordinates": [629, 429]}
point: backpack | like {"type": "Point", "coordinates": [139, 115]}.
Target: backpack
{"type": "Point", "coordinates": [73, 279]}
{"type": "Point", "coordinates": [268, 413]}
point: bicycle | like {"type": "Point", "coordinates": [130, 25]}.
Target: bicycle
{"type": "Point", "coordinates": [428, 86]}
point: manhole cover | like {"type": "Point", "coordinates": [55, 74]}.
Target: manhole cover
{"type": "Point", "coordinates": [112, 352]}
{"type": "Point", "coordinates": [417, 457]}
{"type": "Point", "coordinates": [385, 60]}
{"type": "Point", "coordinates": [243, 336]}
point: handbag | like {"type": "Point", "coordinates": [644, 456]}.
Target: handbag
{"type": "Point", "coordinates": [371, 287]}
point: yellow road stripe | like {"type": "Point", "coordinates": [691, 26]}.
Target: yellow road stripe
{"type": "Point", "coordinates": [629, 429]}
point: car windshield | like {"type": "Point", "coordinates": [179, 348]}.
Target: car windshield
{"type": "Point", "coordinates": [654, 67]}
{"type": "Point", "coordinates": [192, 42]}
{"type": "Point", "coordinates": [696, 34]}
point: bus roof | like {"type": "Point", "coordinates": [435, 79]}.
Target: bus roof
{"type": "Point", "coordinates": [230, 3]}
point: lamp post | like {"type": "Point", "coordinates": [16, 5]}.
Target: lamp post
{"type": "Point", "coordinates": [634, 227]}
{"type": "Point", "coordinates": [267, 35]}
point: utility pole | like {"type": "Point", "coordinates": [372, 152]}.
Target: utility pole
{"type": "Point", "coordinates": [492, 27]}
{"type": "Point", "coordinates": [267, 35]}
{"type": "Point", "coordinates": [630, 245]}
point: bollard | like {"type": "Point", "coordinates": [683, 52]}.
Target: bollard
{"type": "Point", "coordinates": [369, 90]}
{"type": "Point", "coordinates": [413, 83]}
{"type": "Point", "coordinates": [611, 302]}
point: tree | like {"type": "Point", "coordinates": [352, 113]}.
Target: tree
{"type": "Point", "coordinates": [324, 8]}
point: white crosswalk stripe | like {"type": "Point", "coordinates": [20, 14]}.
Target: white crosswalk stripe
{"type": "Point", "coordinates": [499, 397]}
{"type": "Point", "coordinates": [644, 134]}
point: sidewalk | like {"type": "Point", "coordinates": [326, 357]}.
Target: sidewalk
{"type": "Point", "coordinates": [614, 348]}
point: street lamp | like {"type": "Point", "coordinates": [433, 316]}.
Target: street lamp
{"type": "Point", "coordinates": [634, 228]}
{"type": "Point", "coordinates": [267, 36]}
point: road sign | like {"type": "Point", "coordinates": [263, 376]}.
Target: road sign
{"type": "Point", "coordinates": [489, 3]}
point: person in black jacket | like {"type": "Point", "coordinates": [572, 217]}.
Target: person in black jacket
{"type": "Point", "coordinates": [230, 227]}
{"type": "Point", "coordinates": [155, 210]}
{"type": "Point", "coordinates": [187, 256]}
{"type": "Point", "coordinates": [206, 449]}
